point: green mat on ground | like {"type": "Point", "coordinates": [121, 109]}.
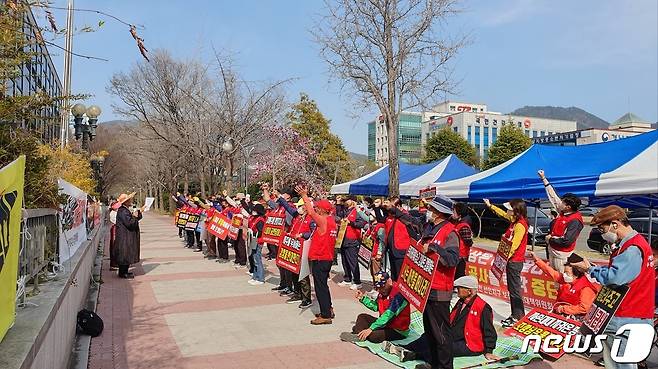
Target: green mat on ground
{"type": "Point", "coordinates": [505, 347]}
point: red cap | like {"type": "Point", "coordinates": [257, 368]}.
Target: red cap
{"type": "Point", "coordinates": [324, 205]}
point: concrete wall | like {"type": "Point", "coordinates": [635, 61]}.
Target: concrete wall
{"type": "Point", "coordinates": [43, 335]}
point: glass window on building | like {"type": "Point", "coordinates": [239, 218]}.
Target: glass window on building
{"type": "Point", "coordinates": [534, 133]}
{"type": "Point", "coordinates": [527, 132]}
{"type": "Point", "coordinates": [468, 130]}
{"type": "Point", "coordinates": [455, 129]}
{"type": "Point", "coordinates": [485, 132]}
{"type": "Point", "coordinates": [452, 108]}
{"type": "Point", "coordinates": [477, 137]}
{"type": "Point", "coordinates": [494, 135]}
{"type": "Point", "coordinates": [519, 124]}
{"type": "Point", "coordinates": [542, 133]}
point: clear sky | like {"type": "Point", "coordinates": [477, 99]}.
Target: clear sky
{"type": "Point", "coordinates": [601, 56]}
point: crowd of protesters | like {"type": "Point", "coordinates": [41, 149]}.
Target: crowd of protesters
{"type": "Point", "coordinates": [438, 225]}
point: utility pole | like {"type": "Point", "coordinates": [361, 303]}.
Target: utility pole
{"type": "Point", "coordinates": [64, 134]}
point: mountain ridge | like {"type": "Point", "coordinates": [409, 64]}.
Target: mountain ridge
{"type": "Point", "coordinates": [583, 118]}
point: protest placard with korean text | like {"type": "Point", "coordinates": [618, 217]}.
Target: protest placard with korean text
{"type": "Point", "coordinates": [273, 230]}
{"type": "Point", "coordinates": [415, 280]}
{"type": "Point", "coordinates": [290, 252]}
{"type": "Point", "coordinates": [543, 323]}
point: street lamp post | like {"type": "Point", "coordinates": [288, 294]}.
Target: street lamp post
{"type": "Point", "coordinates": [229, 146]}
{"type": "Point", "coordinates": [86, 131]}
{"type": "Point", "coordinates": [97, 166]}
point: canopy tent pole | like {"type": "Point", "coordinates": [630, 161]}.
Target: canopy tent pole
{"type": "Point", "coordinates": [650, 221]}
{"type": "Point", "coordinates": [534, 227]}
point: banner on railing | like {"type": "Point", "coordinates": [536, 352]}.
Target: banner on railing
{"type": "Point", "coordinates": [11, 201]}
{"type": "Point", "coordinates": [73, 218]}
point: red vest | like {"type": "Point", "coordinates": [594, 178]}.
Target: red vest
{"type": "Point", "coordinates": [560, 227]}
{"type": "Point", "coordinates": [322, 245]}
{"type": "Point", "coordinates": [400, 322]}
{"type": "Point", "coordinates": [443, 275]}
{"type": "Point", "coordinates": [570, 292]}
{"type": "Point", "coordinates": [464, 250]}
{"type": "Point", "coordinates": [300, 224]}
{"type": "Point", "coordinates": [253, 222]}
{"type": "Point", "coordinates": [519, 254]}
{"type": "Point", "coordinates": [472, 331]}
{"type": "Point", "coordinates": [372, 232]}
{"type": "Point", "coordinates": [401, 236]}
{"type": "Point", "coordinates": [639, 301]}
{"type": "Point", "coordinates": [352, 233]}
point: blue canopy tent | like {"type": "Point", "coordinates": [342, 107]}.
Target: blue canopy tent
{"type": "Point", "coordinates": [412, 178]}
{"type": "Point", "coordinates": [623, 171]}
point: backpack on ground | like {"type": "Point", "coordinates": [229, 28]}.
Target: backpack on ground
{"type": "Point", "coordinates": [89, 323]}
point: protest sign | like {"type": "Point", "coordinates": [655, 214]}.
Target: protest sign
{"type": "Point", "coordinates": [605, 305]}
{"type": "Point", "coordinates": [365, 251]}
{"type": "Point", "coordinates": [305, 269]}
{"type": "Point", "coordinates": [219, 226]}
{"type": "Point", "coordinates": [342, 229]}
{"type": "Point", "coordinates": [290, 252]}
{"type": "Point", "coordinates": [428, 193]}
{"type": "Point", "coordinates": [73, 215]}
{"type": "Point", "coordinates": [181, 220]}
{"type": "Point", "coordinates": [192, 221]}
{"type": "Point", "coordinates": [539, 290]}
{"type": "Point", "coordinates": [502, 254]}
{"type": "Point", "coordinates": [148, 202]}
{"type": "Point", "coordinates": [234, 228]}
{"type": "Point", "coordinates": [273, 230]}
{"type": "Point", "coordinates": [12, 178]}
{"type": "Point", "coordinates": [542, 323]}
{"type": "Point", "coordinates": [416, 275]}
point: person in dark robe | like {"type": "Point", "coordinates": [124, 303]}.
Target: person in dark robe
{"type": "Point", "coordinates": [126, 239]}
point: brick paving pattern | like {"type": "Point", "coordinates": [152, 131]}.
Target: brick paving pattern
{"type": "Point", "coordinates": [182, 311]}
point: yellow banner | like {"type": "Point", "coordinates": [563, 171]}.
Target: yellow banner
{"type": "Point", "coordinates": [11, 202]}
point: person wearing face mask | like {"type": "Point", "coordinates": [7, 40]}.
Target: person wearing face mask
{"type": "Point", "coordinates": [632, 265]}
{"type": "Point", "coordinates": [516, 238]}
{"type": "Point", "coordinates": [577, 291]}
{"type": "Point", "coordinates": [463, 228]}
{"type": "Point", "coordinates": [566, 227]}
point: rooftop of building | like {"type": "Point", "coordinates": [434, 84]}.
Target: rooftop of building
{"type": "Point", "coordinates": [629, 118]}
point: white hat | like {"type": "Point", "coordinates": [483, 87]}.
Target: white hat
{"type": "Point", "coordinates": [508, 206]}
{"type": "Point", "coordinates": [467, 281]}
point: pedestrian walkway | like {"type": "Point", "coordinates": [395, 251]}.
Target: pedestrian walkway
{"type": "Point", "coordinates": [182, 311]}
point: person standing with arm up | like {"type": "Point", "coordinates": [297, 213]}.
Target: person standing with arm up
{"type": "Point", "coordinates": [517, 238]}
{"type": "Point", "coordinates": [321, 253]}
{"type": "Point", "coordinates": [630, 264]}
{"type": "Point", "coordinates": [565, 229]}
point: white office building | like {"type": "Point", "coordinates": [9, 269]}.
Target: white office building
{"type": "Point", "coordinates": [480, 127]}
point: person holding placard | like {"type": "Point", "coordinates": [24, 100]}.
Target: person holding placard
{"type": "Point", "coordinates": [512, 247]}
{"type": "Point", "coordinates": [321, 253]}
{"type": "Point", "coordinates": [630, 268]}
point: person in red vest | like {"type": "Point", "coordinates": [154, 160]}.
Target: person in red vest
{"type": "Point", "coordinates": [465, 233]}
{"type": "Point", "coordinates": [630, 264]}
{"type": "Point", "coordinates": [565, 228]}
{"type": "Point", "coordinates": [393, 309]}
{"type": "Point", "coordinates": [576, 293]}
{"type": "Point", "coordinates": [471, 322]}
{"type": "Point", "coordinates": [321, 252]}
{"type": "Point", "coordinates": [349, 250]}
{"type": "Point", "coordinates": [438, 237]}
{"type": "Point", "coordinates": [398, 239]}
{"type": "Point", "coordinates": [517, 237]}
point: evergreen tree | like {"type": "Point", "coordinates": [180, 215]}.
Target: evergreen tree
{"type": "Point", "coordinates": [511, 142]}
{"type": "Point", "coordinates": [332, 164]}
{"type": "Point", "coordinates": [446, 142]}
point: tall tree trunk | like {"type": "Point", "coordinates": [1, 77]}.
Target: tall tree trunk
{"type": "Point", "coordinates": [390, 115]}
{"type": "Point", "coordinates": [229, 177]}
{"type": "Point", "coordinates": [186, 183]}
{"type": "Point", "coordinates": [202, 180]}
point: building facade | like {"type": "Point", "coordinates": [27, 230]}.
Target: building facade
{"type": "Point", "coordinates": [409, 139]}
{"type": "Point", "coordinates": [38, 75]}
{"type": "Point", "coordinates": [481, 128]}
{"type": "Point", "coordinates": [626, 126]}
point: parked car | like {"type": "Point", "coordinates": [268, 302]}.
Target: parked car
{"type": "Point", "coordinates": [493, 226]}
{"type": "Point", "coordinates": [641, 225]}
{"type": "Point", "coordinates": [642, 213]}
{"type": "Point", "coordinates": [588, 211]}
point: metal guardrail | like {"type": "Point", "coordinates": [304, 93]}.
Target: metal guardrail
{"type": "Point", "coordinates": [39, 241]}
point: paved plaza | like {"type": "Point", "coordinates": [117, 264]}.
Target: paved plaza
{"type": "Point", "coordinates": [185, 312]}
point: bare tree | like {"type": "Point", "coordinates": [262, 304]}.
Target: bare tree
{"type": "Point", "coordinates": [390, 52]}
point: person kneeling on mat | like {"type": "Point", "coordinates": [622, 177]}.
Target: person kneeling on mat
{"type": "Point", "coordinates": [394, 314]}
{"type": "Point", "coordinates": [471, 322]}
